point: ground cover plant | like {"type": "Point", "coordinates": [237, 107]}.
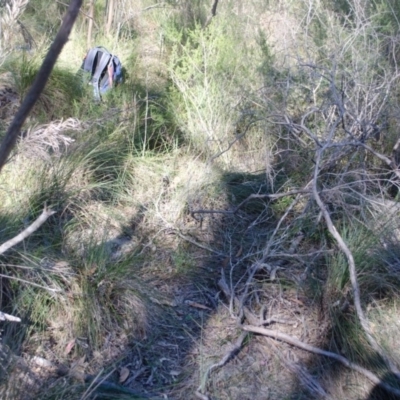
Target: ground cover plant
{"type": "Point", "coordinates": [224, 224]}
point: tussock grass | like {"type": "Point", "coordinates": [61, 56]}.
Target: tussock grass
{"type": "Point", "coordinates": [61, 89]}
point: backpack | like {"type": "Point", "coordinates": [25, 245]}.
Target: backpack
{"type": "Point", "coordinates": [103, 70]}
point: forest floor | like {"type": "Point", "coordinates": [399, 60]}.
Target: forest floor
{"type": "Point", "coordinates": [189, 341]}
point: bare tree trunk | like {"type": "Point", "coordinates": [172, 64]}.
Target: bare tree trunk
{"type": "Point", "coordinates": [90, 27]}
{"type": "Point", "coordinates": [110, 15]}
{"type": "Point", "coordinates": [213, 13]}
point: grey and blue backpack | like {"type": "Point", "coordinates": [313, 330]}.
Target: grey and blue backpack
{"type": "Point", "coordinates": [102, 70]}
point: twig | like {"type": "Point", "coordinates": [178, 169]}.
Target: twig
{"type": "Point", "coordinates": [272, 320]}
{"type": "Point", "coordinates": [236, 139]}
{"type": "Point", "coordinates": [316, 350]}
{"type": "Point", "coordinates": [158, 5]}
{"type": "Point", "coordinates": [38, 85]}
{"type": "Point", "coordinates": [201, 396]}
{"type": "Point", "coordinates": [390, 163]}
{"type": "Point", "coordinates": [266, 251]}
{"type": "Point", "coordinates": [29, 283]}
{"type": "Point", "coordinates": [8, 317]}
{"type": "Point", "coordinates": [82, 12]}
{"type": "Point", "coordinates": [28, 231]}
{"type": "Point", "coordinates": [190, 240]}
{"type": "Point", "coordinates": [227, 357]}
{"type": "Point", "coordinates": [305, 378]}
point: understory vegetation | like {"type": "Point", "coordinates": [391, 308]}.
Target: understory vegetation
{"type": "Point", "coordinates": [222, 225]}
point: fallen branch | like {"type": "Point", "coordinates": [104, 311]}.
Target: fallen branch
{"type": "Point", "coordinates": [390, 163]}
{"type": "Point", "coordinates": [8, 317]}
{"type": "Point", "coordinates": [190, 240]}
{"type": "Point", "coordinates": [316, 350]}
{"type": "Point", "coordinates": [28, 231]}
{"type": "Point", "coordinates": [201, 396]}
{"type": "Point", "coordinates": [29, 283]}
{"type": "Point", "coordinates": [352, 268]}
{"type": "Point", "coordinates": [275, 320]}
{"type": "Point", "coordinates": [227, 357]}
{"type": "Point", "coordinates": [158, 5]}
{"type": "Point", "coordinates": [305, 378]}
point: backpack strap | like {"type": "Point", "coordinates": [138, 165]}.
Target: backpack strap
{"type": "Point", "coordinates": [110, 70]}
{"type": "Point", "coordinates": [89, 59]}
{"type": "Point", "coordinates": [101, 65]}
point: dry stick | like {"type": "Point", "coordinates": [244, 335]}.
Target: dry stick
{"type": "Point", "coordinates": [38, 85]}
{"type": "Point", "coordinates": [8, 317]}
{"type": "Point", "coordinates": [236, 139]}
{"type": "Point", "coordinates": [201, 396]}
{"type": "Point", "coordinates": [267, 248]}
{"type": "Point", "coordinates": [82, 12]}
{"type": "Point", "coordinates": [30, 283]}
{"type": "Point", "coordinates": [190, 240]}
{"type": "Point", "coordinates": [352, 268]}
{"type": "Point", "coordinates": [305, 378]}
{"type": "Point", "coordinates": [255, 328]}
{"type": "Point", "coordinates": [227, 357]}
{"type": "Point", "coordinates": [34, 226]}
{"type": "Point", "coordinates": [390, 163]}
{"type": "Point", "coordinates": [316, 350]}
{"type": "Point", "coordinates": [158, 5]}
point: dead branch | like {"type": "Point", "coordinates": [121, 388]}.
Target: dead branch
{"type": "Point", "coordinates": [158, 5]}
{"type": "Point", "coordinates": [273, 320]}
{"type": "Point", "coordinates": [266, 252]}
{"type": "Point", "coordinates": [46, 213]}
{"type": "Point", "coordinates": [230, 296]}
{"type": "Point", "coordinates": [352, 267]}
{"type": "Point", "coordinates": [38, 85]}
{"type": "Point", "coordinates": [305, 378]}
{"type": "Point", "coordinates": [190, 240]}
{"type": "Point", "coordinates": [256, 328]}
{"type": "Point", "coordinates": [8, 317]}
{"type": "Point", "coordinates": [390, 163]}
{"type": "Point", "coordinates": [227, 357]}
{"type": "Point", "coordinates": [82, 12]}
{"type": "Point", "coordinates": [236, 139]}
{"type": "Point", "coordinates": [201, 396]}
{"type": "Point", "coordinates": [30, 283]}
{"type": "Point", "coordinates": [316, 350]}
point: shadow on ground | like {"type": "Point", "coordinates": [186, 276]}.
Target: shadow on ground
{"type": "Point", "coordinates": [190, 323]}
